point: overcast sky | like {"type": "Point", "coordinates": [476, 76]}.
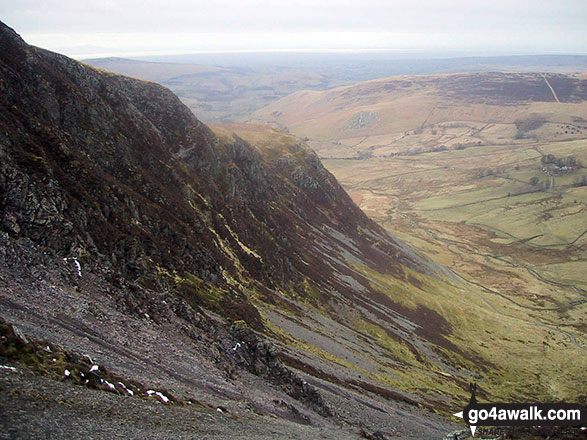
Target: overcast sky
{"type": "Point", "coordinates": [125, 27]}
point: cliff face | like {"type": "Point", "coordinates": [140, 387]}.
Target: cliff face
{"type": "Point", "coordinates": [167, 223]}
{"type": "Point", "coordinates": [118, 173]}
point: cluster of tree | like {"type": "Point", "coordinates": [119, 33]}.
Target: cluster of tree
{"type": "Point", "coordinates": [362, 155]}
{"type": "Point", "coordinates": [570, 129]}
{"type": "Point", "coordinates": [569, 161]}
{"type": "Point", "coordinates": [486, 172]}
{"type": "Point", "coordinates": [529, 124]}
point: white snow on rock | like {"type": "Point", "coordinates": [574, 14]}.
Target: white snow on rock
{"type": "Point", "coordinates": [219, 411]}
{"type": "Point", "coordinates": [67, 373]}
{"type": "Point", "coordinates": [6, 367]}
{"type": "Point", "coordinates": [77, 265]}
{"type": "Point", "coordinates": [161, 396]}
{"type": "Point", "coordinates": [94, 368]}
{"type": "Point", "coordinates": [123, 386]}
{"type": "Point", "coordinates": [109, 385]}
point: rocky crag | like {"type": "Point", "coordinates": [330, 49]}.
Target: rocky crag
{"type": "Point", "coordinates": [231, 276]}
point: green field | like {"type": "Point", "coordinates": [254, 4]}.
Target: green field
{"type": "Point", "coordinates": [524, 241]}
{"type": "Point", "coordinates": [516, 304]}
{"type": "Point", "coordinates": [488, 184]}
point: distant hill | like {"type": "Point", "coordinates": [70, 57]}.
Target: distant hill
{"type": "Point", "coordinates": [396, 114]}
{"type": "Point", "coordinates": [157, 72]}
{"type": "Point", "coordinates": [228, 87]}
{"type": "Point", "coordinates": [218, 93]}
{"type": "Point", "coordinates": [362, 66]}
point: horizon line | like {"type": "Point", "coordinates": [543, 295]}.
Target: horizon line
{"type": "Point", "coordinates": [448, 54]}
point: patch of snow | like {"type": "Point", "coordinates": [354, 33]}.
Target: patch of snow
{"type": "Point", "coordinates": [109, 385]}
{"type": "Point", "coordinates": [236, 347]}
{"type": "Point", "coordinates": [67, 373]}
{"type": "Point", "coordinates": [130, 392]}
{"type": "Point", "coordinates": [350, 281]}
{"type": "Point", "coordinates": [218, 410]}
{"type": "Point", "coordinates": [48, 349]}
{"type": "Point", "coordinates": [77, 265]}
{"type": "Point", "coordinates": [18, 332]}
{"type": "Point", "coordinates": [161, 396]}
{"type": "Point", "coordinates": [342, 238]}
{"type": "Point", "coordinates": [6, 367]}
{"type": "Point", "coordinates": [94, 368]}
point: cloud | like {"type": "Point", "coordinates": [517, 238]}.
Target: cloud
{"type": "Point", "coordinates": [540, 24]}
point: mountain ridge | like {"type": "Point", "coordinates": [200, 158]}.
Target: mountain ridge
{"type": "Point", "coordinates": [230, 270]}
{"type": "Point", "coordinates": [228, 87]}
{"type": "Point", "coordinates": [124, 216]}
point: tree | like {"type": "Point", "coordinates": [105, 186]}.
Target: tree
{"type": "Point", "coordinates": [571, 161]}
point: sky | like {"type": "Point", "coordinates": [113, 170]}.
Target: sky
{"type": "Point", "coordinates": [147, 27]}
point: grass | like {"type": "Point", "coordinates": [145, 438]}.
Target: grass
{"type": "Point", "coordinates": [523, 246]}
{"type": "Point", "coordinates": [396, 348]}
{"type": "Point", "coordinates": [514, 349]}
{"type": "Point", "coordinates": [197, 291]}
{"type": "Point", "coordinates": [505, 320]}
{"type": "Point", "coordinates": [571, 272]}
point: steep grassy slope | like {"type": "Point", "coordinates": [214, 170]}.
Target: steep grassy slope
{"type": "Point", "coordinates": [475, 171]}
{"type": "Point", "coordinates": [516, 333]}
{"type": "Point", "coordinates": [131, 233]}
